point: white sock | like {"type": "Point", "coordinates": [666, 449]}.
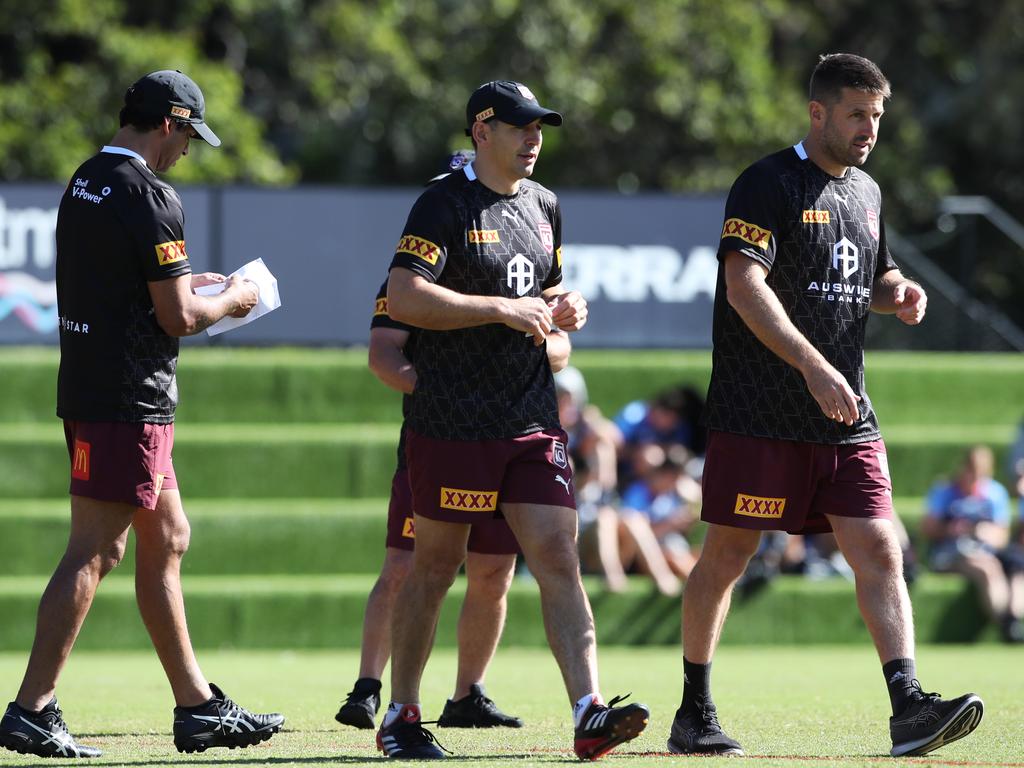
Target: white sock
{"type": "Point", "coordinates": [581, 706]}
{"type": "Point", "coordinates": [394, 709]}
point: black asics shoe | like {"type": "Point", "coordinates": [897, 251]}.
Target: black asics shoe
{"type": "Point", "coordinates": [475, 711]}
{"type": "Point", "coordinates": [929, 722]}
{"type": "Point", "coordinates": [361, 705]}
{"type": "Point", "coordinates": [696, 731]}
{"type": "Point", "coordinates": [221, 723]}
{"type": "Point", "coordinates": [602, 728]}
{"type": "Point", "coordinates": [41, 733]}
{"type": "Point", "coordinates": [406, 738]}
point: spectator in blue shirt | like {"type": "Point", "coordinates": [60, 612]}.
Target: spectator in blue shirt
{"type": "Point", "coordinates": [968, 525]}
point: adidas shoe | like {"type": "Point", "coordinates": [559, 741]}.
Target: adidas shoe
{"type": "Point", "coordinates": [405, 738]}
{"type": "Point", "coordinates": [602, 728]}
{"type": "Point", "coordinates": [361, 705]}
{"type": "Point", "coordinates": [929, 722]}
{"type": "Point", "coordinates": [221, 723]}
{"type": "Point", "coordinates": [475, 711]}
{"type": "Point", "coordinates": [696, 731]}
{"type": "Point", "coordinates": [41, 733]}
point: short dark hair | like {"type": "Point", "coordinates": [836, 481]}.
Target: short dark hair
{"type": "Point", "coordinates": [140, 121]}
{"type": "Point", "coordinates": [836, 71]}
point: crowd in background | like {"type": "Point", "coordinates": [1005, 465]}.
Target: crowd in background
{"type": "Point", "coordinates": [638, 492]}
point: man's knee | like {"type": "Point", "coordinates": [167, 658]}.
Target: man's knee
{"type": "Point", "coordinates": [491, 578]}
{"type": "Point", "coordinates": [727, 551]}
{"type": "Point", "coordinates": [110, 558]}
{"type": "Point", "coordinates": [395, 571]}
{"type": "Point", "coordinates": [555, 557]}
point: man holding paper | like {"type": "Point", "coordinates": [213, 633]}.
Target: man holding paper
{"type": "Point", "coordinates": [125, 293]}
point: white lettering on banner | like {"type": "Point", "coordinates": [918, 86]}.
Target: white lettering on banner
{"type": "Point", "coordinates": [635, 273]}
{"type": "Point", "coordinates": [25, 231]}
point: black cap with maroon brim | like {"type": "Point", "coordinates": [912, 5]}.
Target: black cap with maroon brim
{"type": "Point", "coordinates": [169, 93]}
{"type": "Point", "coordinates": [509, 102]}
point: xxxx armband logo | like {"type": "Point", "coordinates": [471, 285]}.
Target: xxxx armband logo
{"type": "Point", "coordinates": [170, 252]}
{"type": "Point", "coordinates": [750, 233]}
{"type": "Point", "coordinates": [759, 506]}
{"type": "Point", "coordinates": [417, 246]}
{"type": "Point", "coordinates": [380, 307]}
{"type": "Point", "coordinates": [468, 501]}
{"type": "Point", "coordinates": [409, 528]}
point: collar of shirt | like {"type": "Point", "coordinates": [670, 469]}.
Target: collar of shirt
{"type": "Point", "coordinates": [470, 173]}
{"type": "Point", "coordinates": [123, 151]}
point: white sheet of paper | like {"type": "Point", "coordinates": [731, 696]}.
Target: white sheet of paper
{"type": "Point", "coordinates": [270, 298]}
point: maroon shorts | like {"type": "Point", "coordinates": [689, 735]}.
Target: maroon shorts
{"type": "Point", "coordinates": [783, 485]}
{"type": "Point", "coordinates": [464, 481]}
{"type": "Point", "coordinates": [487, 537]}
{"type": "Point", "coordinates": [129, 463]}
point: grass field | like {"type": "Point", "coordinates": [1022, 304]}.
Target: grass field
{"type": "Point", "coordinates": [787, 706]}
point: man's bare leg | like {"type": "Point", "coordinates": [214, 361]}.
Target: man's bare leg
{"type": "Point", "coordinates": [440, 551]}
{"type": "Point", "coordinates": [547, 535]}
{"type": "Point", "coordinates": [376, 648]}
{"type": "Point", "coordinates": [99, 532]}
{"type": "Point", "coordinates": [161, 540]}
{"type": "Point", "coordinates": [483, 616]}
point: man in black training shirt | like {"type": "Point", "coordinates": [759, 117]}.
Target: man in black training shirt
{"type": "Point", "coordinates": [794, 444]}
{"type": "Point", "coordinates": [478, 271]}
{"type": "Point", "coordinates": [124, 293]}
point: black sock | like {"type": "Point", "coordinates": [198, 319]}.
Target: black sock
{"type": "Point", "coordinates": [368, 684]}
{"type": "Point", "coordinates": [696, 683]}
{"type": "Point", "coordinates": [899, 676]}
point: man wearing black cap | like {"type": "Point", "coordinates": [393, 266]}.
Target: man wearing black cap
{"type": "Point", "coordinates": [124, 293]}
{"type": "Point", "coordinates": [478, 272]}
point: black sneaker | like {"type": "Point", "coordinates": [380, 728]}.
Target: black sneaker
{"type": "Point", "coordinates": [602, 728]}
{"type": "Point", "coordinates": [696, 731]}
{"type": "Point", "coordinates": [361, 705]}
{"type": "Point", "coordinates": [41, 733]}
{"type": "Point", "coordinates": [406, 738]}
{"type": "Point", "coordinates": [929, 722]}
{"type": "Point", "coordinates": [221, 723]}
{"type": "Point", "coordinates": [475, 711]}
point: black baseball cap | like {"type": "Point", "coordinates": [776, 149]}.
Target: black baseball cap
{"type": "Point", "coordinates": [169, 93]}
{"type": "Point", "coordinates": [509, 102]}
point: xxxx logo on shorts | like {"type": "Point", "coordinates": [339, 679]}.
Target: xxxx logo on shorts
{"type": "Point", "coordinates": [170, 252]}
{"type": "Point", "coordinates": [380, 307]}
{"type": "Point", "coordinates": [417, 246]}
{"type": "Point", "coordinates": [469, 501]}
{"type": "Point", "coordinates": [80, 460]}
{"type": "Point", "coordinates": [408, 528]}
{"type": "Point", "coordinates": [759, 506]}
{"type": "Point", "coordinates": [750, 233]}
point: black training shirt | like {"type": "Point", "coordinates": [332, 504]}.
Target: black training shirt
{"type": "Point", "coordinates": [488, 382]}
{"type": "Point", "coordinates": [118, 228]}
{"type": "Point", "coordinates": [822, 240]}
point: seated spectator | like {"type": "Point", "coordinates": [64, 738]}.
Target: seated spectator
{"type": "Point", "coordinates": [664, 498]}
{"type": "Point", "coordinates": [968, 525]}
{"type": "Point", "coordinates": [671, 418]}
{"type": "Point", "coordinates": [603, 534]}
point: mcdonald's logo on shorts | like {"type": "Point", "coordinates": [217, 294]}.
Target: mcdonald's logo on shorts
{"type": "Point", "coordinates": [80, 460]}
{"type": "Point", "coordinates": [408, 528]}
{"type": "Point", "coordinates": [469, 501]}
{"type": "Point", "coordinates": [759, 506]}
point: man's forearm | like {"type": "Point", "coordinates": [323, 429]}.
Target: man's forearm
{"type": "Point", "coordinates": [436, 308]}
{"type": "Point", "coordinates": [764, 315]}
